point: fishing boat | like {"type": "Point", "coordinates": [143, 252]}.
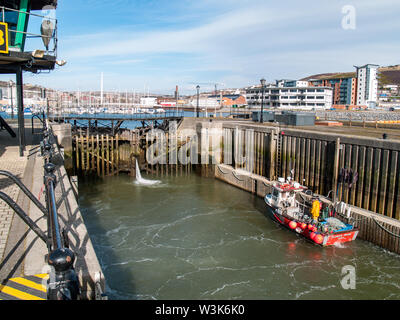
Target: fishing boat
{"type": "Point", "coordinates": [311, 222]}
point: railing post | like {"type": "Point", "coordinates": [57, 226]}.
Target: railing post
{"type": "Point", "coordinates": [63, 283]}
{"type": "Point", "coordinates": [20, 104]}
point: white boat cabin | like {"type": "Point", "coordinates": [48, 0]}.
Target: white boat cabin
{"type": "Point", "coordinates": [283, 194]}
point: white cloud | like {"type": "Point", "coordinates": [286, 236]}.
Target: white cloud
{"type": "Point", "coordinates": [249, 40]}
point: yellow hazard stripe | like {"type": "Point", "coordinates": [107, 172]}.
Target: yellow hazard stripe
{"type": "Point", "coordinates": [30, 284]}
{"type": "Point", "coordinates": [43, 275]}
{"type": "Point", "coordinates": [18, 294]}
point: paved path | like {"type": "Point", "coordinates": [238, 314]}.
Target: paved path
{"type": "Point", "coordinates": [13, 230]}
{"type": "Point", "coordinates": [22, 253]}
{"type": "Point", "coordinates": [9, 161]}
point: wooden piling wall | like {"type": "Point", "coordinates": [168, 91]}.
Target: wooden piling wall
{"type": "Point", "coordinates": [320, 162]}
{"type": "Point", "coordinates": [103, 155]}
{"type": "Point", "coordinates": [108, 155]}
{"type": "Point", "coordinates": [375, 228]}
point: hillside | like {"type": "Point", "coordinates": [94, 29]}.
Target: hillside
{"type": "Point", "coordinates": [388, 75]}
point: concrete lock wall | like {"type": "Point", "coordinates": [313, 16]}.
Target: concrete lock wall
{"type": "Point", "coordinates": [319, 161]}
{"type": "Point", "coordinates": [63, 134]}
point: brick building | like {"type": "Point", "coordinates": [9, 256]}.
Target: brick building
{"type": "Point", "coordinates": [231, 100]}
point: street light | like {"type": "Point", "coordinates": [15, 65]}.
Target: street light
{"type": "Point", "coordinates": [197, 106]}
{"type": "Point", "coordinates": [262, 99]}
{"type": "Point", "coordinates": [11, 83]}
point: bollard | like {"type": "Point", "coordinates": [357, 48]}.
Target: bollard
{"type": "Point", "coordinates": [47, 153]}
{"type": "Point", "coordinates": [63, 283]}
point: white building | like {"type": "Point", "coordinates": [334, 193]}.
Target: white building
{"type": "Point", "coordinates": [8, 94]}
{"type": "Point", "coordinates": [294, 83]}
{"type": "Point", "coordinates": [205, 103]}
{"type": "Point", "coordinates": [148, 102]}
{"type": "Point", "coordinates": [367, 84]}
{"type": "Point", "coordinates": [299, 97]}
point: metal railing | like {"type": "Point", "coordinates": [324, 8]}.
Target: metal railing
{"type": "Point", "coordinates": [63, 282]}
{"type": "Point", "coordinates": [121, 116]}
{"type": "Point", "coordinates": [53, 37]}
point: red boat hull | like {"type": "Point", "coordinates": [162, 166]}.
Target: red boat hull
{"type": "Point", "coordinates": [328, 239]}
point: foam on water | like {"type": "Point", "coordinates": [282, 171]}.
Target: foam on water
{"type": "Point", "coordinates": [340, 245]}
{"type": "Point", "coordinates": [198, 238]}
{"type": "Point", "coordinates": [142, 181]}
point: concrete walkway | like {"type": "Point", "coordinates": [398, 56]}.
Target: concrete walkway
{"type": "Point", "coordinates": [12, 229]}
{"type": "Point", "coordinates": [22, 252]}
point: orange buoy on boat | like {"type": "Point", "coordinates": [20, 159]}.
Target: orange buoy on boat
{"type": "Point", "coordinates": [303, 225]}
{"type": "Point", "coordinates": [292, 225]}
{"type": "Point", "coordinates": [318, 239]}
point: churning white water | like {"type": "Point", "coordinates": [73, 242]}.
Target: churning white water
{"type": "Point", "coordinates": [142, 181]}
{"type": "Point", "coordinates": [198, 238]}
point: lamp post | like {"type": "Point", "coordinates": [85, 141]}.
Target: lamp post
{"type": "Point", "coordinates": [197, 106]}
{"type": "Point", "coordinates": [11, 100]}
{"type": "Point", "coordinates": [262, 99]}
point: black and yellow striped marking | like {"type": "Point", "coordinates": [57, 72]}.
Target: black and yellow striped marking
{"type": "Point", "coordinates": [26, 288]}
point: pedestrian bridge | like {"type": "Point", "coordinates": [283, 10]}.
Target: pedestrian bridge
{"type": "Point", "coordinates": [168, 115]}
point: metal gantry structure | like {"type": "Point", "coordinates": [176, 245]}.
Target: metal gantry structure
{"type": "Point", "coordinates": [16, 56]}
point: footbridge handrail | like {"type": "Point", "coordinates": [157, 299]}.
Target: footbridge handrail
{"type": "Point", "coordinates": [29, 194]}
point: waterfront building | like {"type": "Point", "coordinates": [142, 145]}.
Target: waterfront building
{"type": "Point", "coordinates": [389, 93]}
{"type": "Point", "coordinates": [205, 103]}
{"type": "Point", "coordinates": [367, 84]}
{"type": "Point", "coordinates": [358, 88]}
{"type": "Point", "coordinates": [344, 88]}
{"type": "Point", "coordinates": [148, 101]}
{"type": "Point", "coordinates": [290, 97]}
{"type": "Point", "coordinates": [295, 83]}
{"type": "Point", "coordinates": [230, 100]}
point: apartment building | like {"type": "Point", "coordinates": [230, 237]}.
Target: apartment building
{"type": "Point", "coordinates": [290, 97]}
{"type": "Point", "coordinates": [367, 84]}
{"type": "Point", "coordinates": [344, 89]}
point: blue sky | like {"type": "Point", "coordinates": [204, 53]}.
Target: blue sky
{"type": "Point", "coordinates": [160, 44]}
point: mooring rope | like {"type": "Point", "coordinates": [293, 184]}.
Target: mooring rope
{"type": "Point", "coordinates": [233, 173]}
{"type": "Point", "coordinates": [365, 218]}
{"type": "Point", "coordinates": [221, 170]}
{"type": "Point", "coordinates": [301, 196]}
{"type": "Point", "coordinates": [384, 229]}
{"type": "Point", "coordinates": [350, 218]}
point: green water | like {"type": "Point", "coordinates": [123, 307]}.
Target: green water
{"type": "Point", "coordinates": [199, 238]}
